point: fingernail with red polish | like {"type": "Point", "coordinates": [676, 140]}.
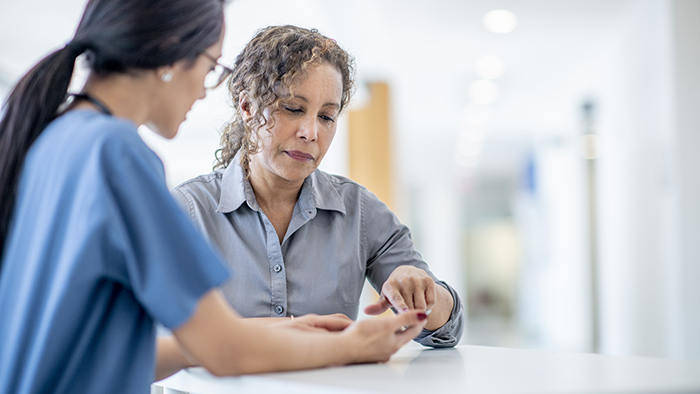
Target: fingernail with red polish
{"type": "Point", "coordinates": [422, 316]}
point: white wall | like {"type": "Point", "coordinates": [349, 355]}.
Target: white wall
{"type": "Point", "coordinates": [649, 219]}
{"type": "Point", "coordinates": [645, 82]}
{"type": "Point", "coordinates": [685, 273]}
{"type": "Point", "coordinates": [635, 127]}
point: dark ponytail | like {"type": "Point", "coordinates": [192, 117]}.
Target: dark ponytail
{"type": "Point", "coordinates": [117, 36]}
{"type": "Point", "coordinates": [31, 106]}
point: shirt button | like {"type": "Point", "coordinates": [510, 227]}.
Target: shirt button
{"type": "Point", "coordinates": [279, 309]}
{"type": "Point", "coordinates": [277, 268]}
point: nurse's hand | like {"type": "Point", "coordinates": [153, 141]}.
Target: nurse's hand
{"type": "Point", "coordinates": [409, 288]}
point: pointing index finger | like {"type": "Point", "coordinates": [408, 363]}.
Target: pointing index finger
{"type": "Point", "coordinates": [396, 300]}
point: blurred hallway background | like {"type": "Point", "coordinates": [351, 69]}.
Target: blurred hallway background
{"type": "Point", "coordinates": [545, 155]}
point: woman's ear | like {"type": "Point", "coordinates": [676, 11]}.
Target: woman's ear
{"type": "Point", "coordinates": [246, 107]}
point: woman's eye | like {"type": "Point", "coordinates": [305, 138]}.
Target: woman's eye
{"type": "Point", "coordinates": [327, 118]}
{"type": "Point", "coordinates": [293, 110]}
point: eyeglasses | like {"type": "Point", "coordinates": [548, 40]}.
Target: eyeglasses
{"type": "Point", "coordinates": [217, 75]}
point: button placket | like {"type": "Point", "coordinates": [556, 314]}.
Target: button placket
{"type": "Point", "coordinates": [278, 279]}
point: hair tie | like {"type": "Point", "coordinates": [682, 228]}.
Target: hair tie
{"type": "Point", "coordinates": [76, 48]}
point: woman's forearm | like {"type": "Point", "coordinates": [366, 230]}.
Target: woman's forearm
{"type": "Point", "coordinates": [441, 311]}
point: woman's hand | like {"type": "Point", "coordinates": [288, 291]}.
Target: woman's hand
{"type": "Point", "coordinates": [375, 340]}
{"type": "Point", "coordinates": [312, 322]}
{"type": "Point", "coordinates": [409, 288]}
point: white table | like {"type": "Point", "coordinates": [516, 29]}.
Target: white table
{"type": "Point", "coordinates": [465, 369]}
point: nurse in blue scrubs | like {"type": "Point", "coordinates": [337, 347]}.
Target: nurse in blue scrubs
{"type": "Point", "coordinates": [94, 249]}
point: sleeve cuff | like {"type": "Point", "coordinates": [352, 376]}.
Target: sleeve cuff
{"type": "Point", "coordinates": [450, 333]}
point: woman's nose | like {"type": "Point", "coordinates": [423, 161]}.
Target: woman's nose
{"type": "Point", "coordinates": [308, 129]}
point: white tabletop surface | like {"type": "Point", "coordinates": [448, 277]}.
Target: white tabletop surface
{"type": "Point", "coordinates": [465, 369]}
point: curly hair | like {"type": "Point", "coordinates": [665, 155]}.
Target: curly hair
{"type": "Point", "coordinates": [274, 59]}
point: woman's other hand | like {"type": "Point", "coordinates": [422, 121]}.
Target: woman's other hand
{"type": "Point", "coordinates": [410, 288]}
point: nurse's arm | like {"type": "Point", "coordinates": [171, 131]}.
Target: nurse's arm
{"type": "Point", "coordinates": [217, 338]}
{"type": "Point", "coordinates": [172, 357]}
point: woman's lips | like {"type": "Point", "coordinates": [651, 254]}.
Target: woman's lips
{"type": "Point", "coordinates": [297, 155]}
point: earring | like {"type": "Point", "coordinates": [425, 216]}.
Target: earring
{"type": "Point", "coordinates": [167, 77]}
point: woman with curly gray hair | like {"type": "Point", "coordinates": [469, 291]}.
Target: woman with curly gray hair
{"type": "Point", "coordinates": [277, 56]}
{"type": "Point", "coordinates": [298, 239]}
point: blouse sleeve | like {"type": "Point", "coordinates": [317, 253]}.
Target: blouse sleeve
{"type": "Point", "coordinates": [389, 245]}
{"type": "Point", "coordinates": [158, 252]}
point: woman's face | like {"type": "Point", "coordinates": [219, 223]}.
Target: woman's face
{"type": "Point", "coordinates": [303, 127]}
{"type": "Point", "coordinates": [175, 98]}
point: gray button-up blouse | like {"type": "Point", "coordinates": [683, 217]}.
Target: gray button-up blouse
{"type": "Point", "coordinates": [339, 234]}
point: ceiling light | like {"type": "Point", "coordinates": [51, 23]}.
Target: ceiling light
{"type": "Point", "coordinates": [500, 21]}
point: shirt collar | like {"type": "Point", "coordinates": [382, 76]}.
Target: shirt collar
{"type": "Point", "coordinates": [317, 192]}
{"type": "Point", "coordinates": [235, 189]}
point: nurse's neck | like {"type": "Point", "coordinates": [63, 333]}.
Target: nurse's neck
{"type": "Point", "coordinates": [124, 95]}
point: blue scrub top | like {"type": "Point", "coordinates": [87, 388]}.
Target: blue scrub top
{"type": "Point", "coordinates": [97, 251]}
